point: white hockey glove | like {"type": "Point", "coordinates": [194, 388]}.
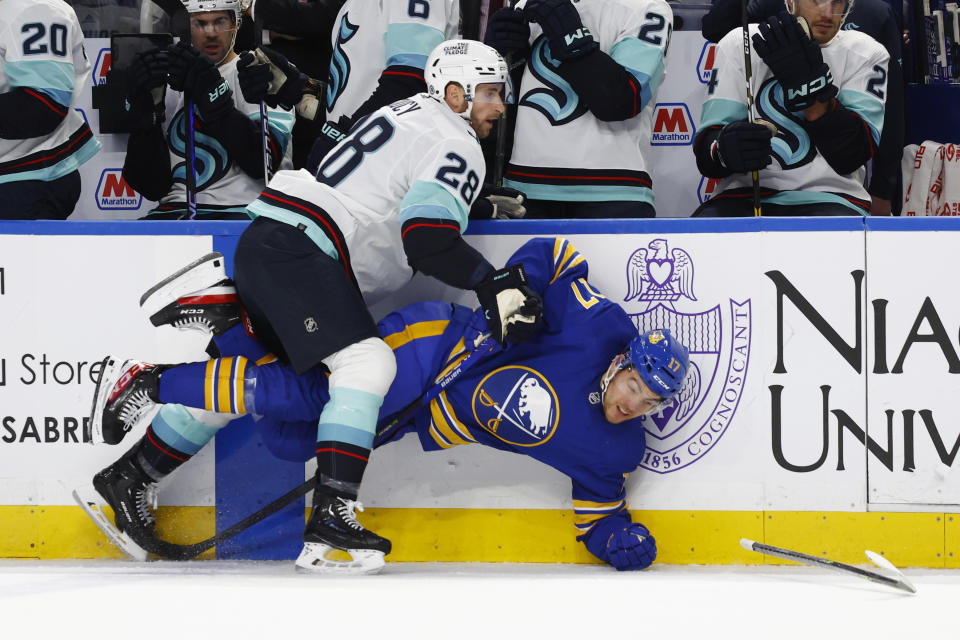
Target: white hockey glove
{"type": "Point", "coordinates": [498, 203]}
{"type": "Point", "coordinates": [513, 310]}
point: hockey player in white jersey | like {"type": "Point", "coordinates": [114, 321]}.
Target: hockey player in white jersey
{"type": "Point", "coordinates": [228, 145]}
{"type": "Point", "coordinates": [585, 109]}
{"type": "Point", "coordinates": [390, 199]}
{"type": "Point", "coordinates": [43, 139]}
{"type": "Point", "coordinates": [824, 96]}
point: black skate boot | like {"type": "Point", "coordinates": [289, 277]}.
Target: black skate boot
{"type": "Point", "coordinates": [129, 491]}
{"type": "Point", "coordinates": [334, 542]}
{"type": "Point", "coordinates": [200, 297]}
{"type": "Point", "coordinates": [124, 398]}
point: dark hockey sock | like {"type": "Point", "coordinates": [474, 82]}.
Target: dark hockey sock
{"type": "Point", "coordinates": [340, 467]}
{"type": "Point", "coordinates": [156, 458]}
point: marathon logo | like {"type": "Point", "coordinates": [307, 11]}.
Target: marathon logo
{"type": "Point", "coordinates": [113, 192]}
{"type": "Point", "coordinates": [705, 62]}
{"type": "Point", "coordinates": [707, 188]}
{"type": "Point", "coordinates": [672, 125]}
{"type": "Point", "coordinates": [99, 73]}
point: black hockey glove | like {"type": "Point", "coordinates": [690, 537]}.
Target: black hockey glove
{"type": "Point", "coordinates": [513, 310]}
{"type": "Point", "coordinates": [743, 147]}
{"type": "Point", "coordinates": [498, 203]}
{"type": "Point", "coordinates": [198, 78]}
{"type": "Point", "coordinates": [147, 84]}
{"type": "Point", "coordinates": [561, 24]}
{"type": "Point", "coordinates": [795, 60]}
{"type": "Point", "coordinates": [330, 136]}
{"type": "Point", "coordinates": [508, 32]}
{"type": "Point", "coordinates": [266, 75]}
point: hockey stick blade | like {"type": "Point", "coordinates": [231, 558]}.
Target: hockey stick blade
{"type": "Point", "coordinates": [897, 581]}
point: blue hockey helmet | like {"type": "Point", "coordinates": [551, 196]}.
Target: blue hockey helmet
{"type": "Point", "coordinates": [660, 360]}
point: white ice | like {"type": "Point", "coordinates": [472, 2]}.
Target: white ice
{"type": "Point", "coordinates": [226, 599]}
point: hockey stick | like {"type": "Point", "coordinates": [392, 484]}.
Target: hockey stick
{"type": "Point", "coordinates": [893, 577]}
{"type": "Point", "coordinates": [484, 344]}
{"type": "Point", "coordinates": [748, 72]}
{"type": "Point", "coordinates": [264, 122]}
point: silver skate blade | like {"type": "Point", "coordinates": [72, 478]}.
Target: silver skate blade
{"type": "Point", "coordinates": [100, 399]}
{"type": "Point", "coordinates": [201, 273]}
{"type": "Point", "coordinates": [317, 557]}
{"type": "Point", "coordinates": [90, 501]}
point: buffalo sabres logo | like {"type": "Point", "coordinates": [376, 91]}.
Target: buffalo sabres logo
{"type": "Point", "coordinates": [517, 405]}
{"type": "Point", "coordinates": [718, 338]}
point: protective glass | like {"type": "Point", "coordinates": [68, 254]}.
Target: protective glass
{"type": "Point", "coordinates": [217, 25]}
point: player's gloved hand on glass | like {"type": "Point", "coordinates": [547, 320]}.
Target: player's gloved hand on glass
{"type": "Point", "coordinates": [197, 76]}
{"type": "Point", "coordinates": [795, 60]}
{"type": "Point", "coordinates": [563, 27]}
{"type": "Point", "coordinates": [499, 203]}
{"type": "Point", "coordinates": [147, 84]}
{"type": "Point", "coordinates": [743, 147]}
{"type": "Point", "coordinates": [513, 310]}
{"type": "Point", "coordinates": [631, 548]}
{"type": "Point", "coordinates": [266, 75]}
{"type": "Point", "coordinates": [508, 32]}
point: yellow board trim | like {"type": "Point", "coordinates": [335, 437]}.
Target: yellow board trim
{"type": "Point", "coordinates": [58, 532]}
{"type": "Point", "coordinates": [543, 535]}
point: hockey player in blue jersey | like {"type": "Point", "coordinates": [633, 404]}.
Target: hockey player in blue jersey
{"type": "Point", "coordinates": [587, 364]}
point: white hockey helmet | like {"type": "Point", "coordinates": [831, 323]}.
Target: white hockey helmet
{"type": "Point", "coordinates": [201, 6]}
{"type": "Point", "coordinates": [468, 63]}
{"type": "Point", "coordinates": [837, 7]}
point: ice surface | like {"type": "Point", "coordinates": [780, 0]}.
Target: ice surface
{"type": "Point", "coordinates": [268, 600]}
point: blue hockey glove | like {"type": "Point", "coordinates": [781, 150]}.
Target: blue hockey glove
{"type": "Point", "coordinates": [743, 147]}
{"type": "Point", "coordinates": [513, 310]}
{"type": "Point", "coordinates": [795, 61]}
{"type": "Point", "coordinates": [563, 27]}
{"type": "Point", "coordinates": [631, 548]}
{"type": "Point", "coordinates": [508, 32]}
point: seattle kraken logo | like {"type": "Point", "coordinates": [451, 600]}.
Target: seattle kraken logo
{"type": "Point", "coordinates": [557, 100]}
{"type": "Point", "coordinates": [517, 405]}
{"type": "Point", "coordinates": [339, 63]}
{"type": "Point", "coordinates": [679, 434]}
{"type": "Point", "coordinates": [791, 146]}
{"type": "Point", "coordinates": [211, 160]}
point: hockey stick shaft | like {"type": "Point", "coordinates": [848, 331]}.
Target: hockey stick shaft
{"type": "Point", "coordinates": [264, 122]}
{"type": "Point", "coordinates": [748, 73]}
{"type": "Point", "coordinates": [191, 172]}
{"type": "Point", "coordinates": [485, 344]}
{"type": "Point", "coordinates": [897, 582]}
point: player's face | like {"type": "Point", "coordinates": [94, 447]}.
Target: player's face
{"type": "Point", "coordinates": [212, 33]}
{"type": "Point", "coordinates": [628, 397]}
{"type": "Point", "coordinates": [487, 107]}
{"type": "Point", "coordinates": [824, 17]}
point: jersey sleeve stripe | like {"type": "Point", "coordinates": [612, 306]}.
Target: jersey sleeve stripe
{"type": "Point", "coordinates": [430, 200]}
{"type": "Point", "coordinates": [454, 422]}
{"type": "Point", "coordinates": [439, 439]}
{"type": "Point", "coordinates": [720, 111]}
{"type": "Point", "coordinates": [53, 107]}
{"type": "Point", "coordinates": [267, 359]}
{"type": "Point", "coordinates": [53, 78]}
{"type": "Point", "coordinates": [210, 376]}
{"type": "Point", "coordinates": [643, 61]}
{"type": "Point", "coordinates": [868, 108]}
{"type": "Point", "coordinates": [415, 331]}
{"type": "Point", "coordinates": [410, 44]}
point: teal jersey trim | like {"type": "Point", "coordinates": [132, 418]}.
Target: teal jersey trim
{"type": "Point", "coordinates": [179, 429]}
{"type": "Point", "coordinates": [55, 79]}
{"type": "Point", "coordinates": [582, 193]}
{"type": "Point", "coordinates": [867, 107]}
{"type": "Point", "coordinates": [809, 197]}
{"type": "Point", "coordinates": [260, 208]}
{"type": "Point", "coordinates": [281, 125]}
{"type": "Point", "coordinates": [643, 61]}
{"type": "Point", "coordinates": [68, 165]}
{"type": "Point", "coordinates": [350, 416]}
{"type": "Point", "coordinates": [720, 111]}
{"type": "Point", "coordinates": [410, 44]}
{"type": "Point", "coordinates": [430, 200]}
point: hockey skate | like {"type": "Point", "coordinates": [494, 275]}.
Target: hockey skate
{"type": "Point", "coordinates": [130, 493]}
{"type": "Point", "coordinates": [334, 542]}
{"type": "Point", "coordinates": [199, 297]}
{"type": "Point", "coordinates": [125, 397]}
